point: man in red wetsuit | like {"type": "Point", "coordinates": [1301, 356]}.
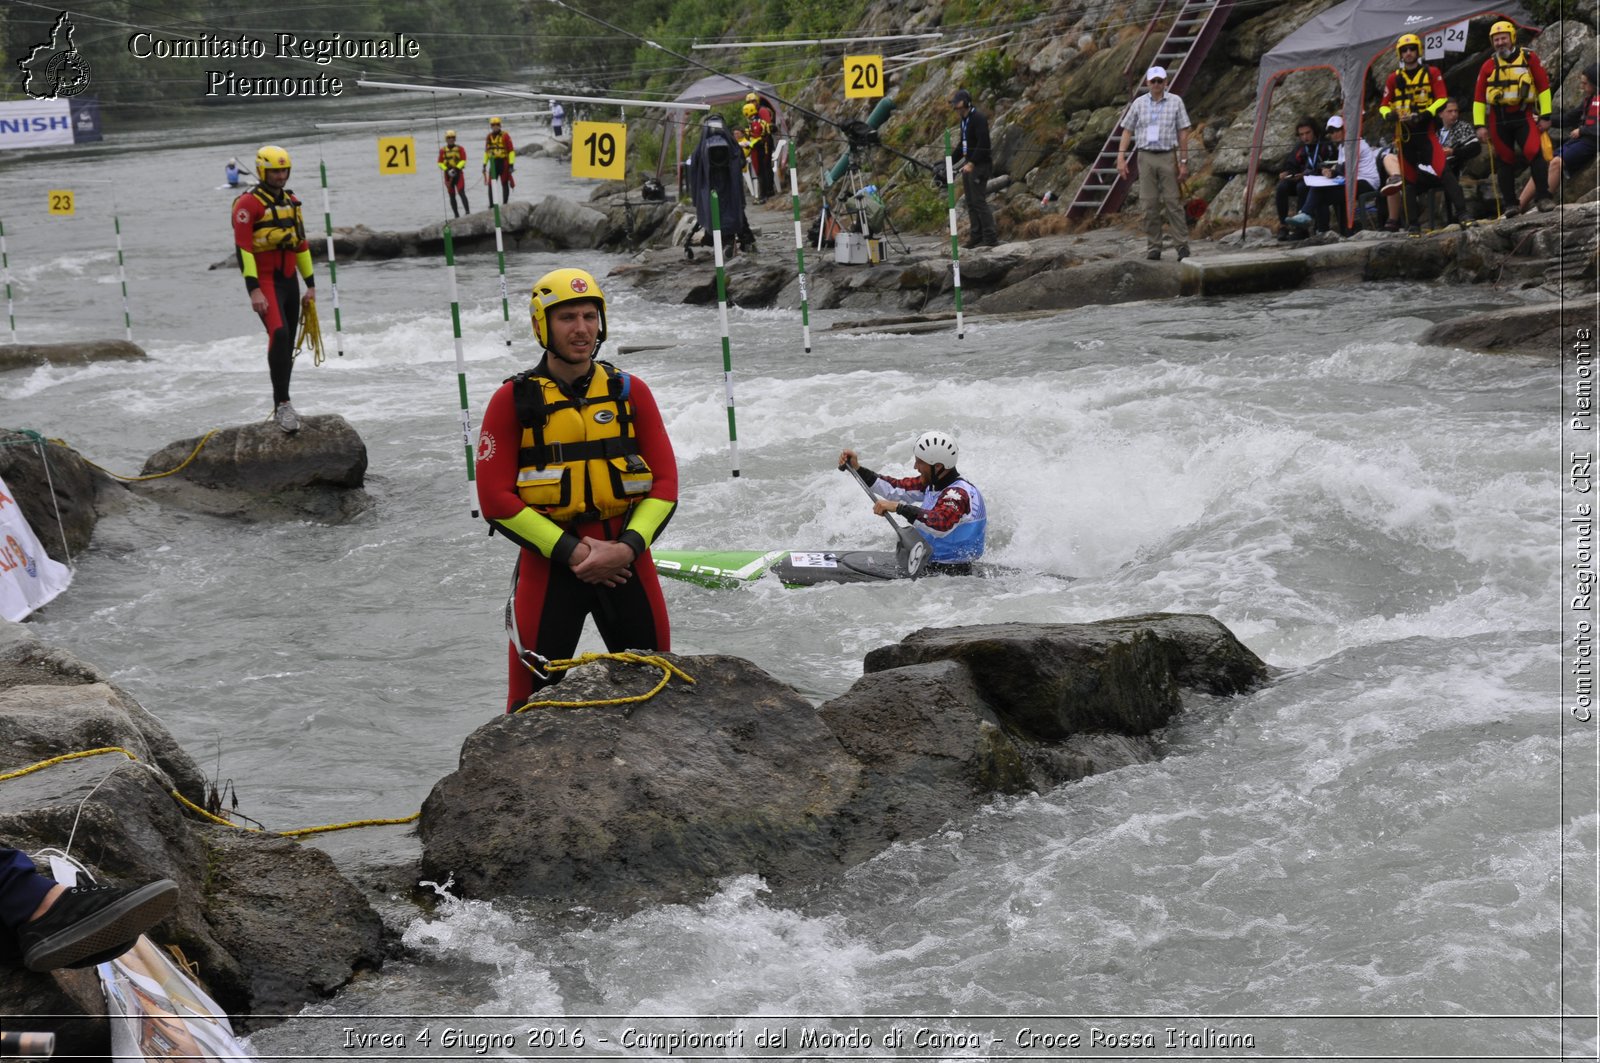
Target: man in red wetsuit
{"type": "Point", "coordinates": [499, 161]}
{"type": "Point", "coordinates": [574, 465]}
{"type": "Point", "coordinates": [1413, 96]}
{"type": "Point", "coordinates": [269, 238]}
{"type": "Point", "coordinates": [453, 161]}
{"type": "Point", "coordinates": [1511, 109]}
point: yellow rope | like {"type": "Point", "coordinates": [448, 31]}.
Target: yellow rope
{"type": "Point", "coordinates": [310, 332]}
{"type": "Point", "coordinates": [195, 453]}
{"type": "Point", "coordinates": [668, 670]}
{"type": "Point", "coordinates": [31, 768]}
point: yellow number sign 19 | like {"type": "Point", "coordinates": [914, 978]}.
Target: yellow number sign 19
{"type": "Point", "coordinates": [863, 76]}
{"type": "Point", "coordinates": [600, 149]}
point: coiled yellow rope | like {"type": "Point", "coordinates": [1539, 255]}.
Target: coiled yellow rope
{"type": "Point", "coordinates": [310, 332]}
{"type": "Point", "coordinates": [668, 670]}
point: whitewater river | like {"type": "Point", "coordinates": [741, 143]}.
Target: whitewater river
{"type": "Point", "coordinates": [1385, 853]}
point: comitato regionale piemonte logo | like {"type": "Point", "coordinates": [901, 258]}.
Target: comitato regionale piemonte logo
{"type": "Point", "coordinates": [55, 69]}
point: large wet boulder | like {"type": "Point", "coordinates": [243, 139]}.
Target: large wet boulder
{"type": "Point", "coordinates": [1544, 329]}
{"type": "Point", "coordinates": [616, 806]}
{"type": "Point", "coordinates": [61, 495]}
{"type": "Point", "coordinates": [1051, 681]}
{"type": "Point", "coordinates": [84, 352]}
{"type": "Point", "coordinates": [622, 806]}
{"type": "Point", "coordinates": [258, 471]}
{"type": "Point", "coordinates": [245, 899]}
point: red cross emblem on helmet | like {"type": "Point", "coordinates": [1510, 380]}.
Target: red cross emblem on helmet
{"type": "Point", "coordinates": [579, 284]}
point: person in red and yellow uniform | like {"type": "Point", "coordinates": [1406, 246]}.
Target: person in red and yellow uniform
{"type": "Point", "coordinates": [499, 161]}
{"type": "Point", "coordinates": [269, 239]}
{"type": "Point", "coordinates": [759, 123]}
{"type": "Point", "coordinates": [453, 161]}
{"type": "Point", "coordinates": [1511, 109]}
{"type": "Point", "coordinates": [575, 467]}
{"type": "Point", "coordinates": [1413, 96]}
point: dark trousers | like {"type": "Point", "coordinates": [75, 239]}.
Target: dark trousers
{"type": "Point", "coordinates": [283, 299]}
{"type": "Point", "coordinates": [22, 890]}
{"type": "Point", "coordinates": [976, 187]}
{"type": "Point", "coordinates": [552, 605]}
{"type": "Point", "coordinates": [1320, 201]}
{"type": "Point", "coordinates": [1290, 188]}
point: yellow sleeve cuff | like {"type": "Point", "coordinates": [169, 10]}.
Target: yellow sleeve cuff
{"type": "Point", "coordinates": [531, 529]}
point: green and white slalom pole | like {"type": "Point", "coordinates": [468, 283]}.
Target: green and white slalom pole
{"type": "Point", "coordinates": [500, 252]}
{"type": "Point", "coordinates": [122, 277]}
{"type": "Point", "coordinates": [800, 253]}
{"type": "Point", "coordinates": [5, 269]}
{"type": "Point", "coordinates": [461, 372]}
{"type": "Point", "coordinates": [955, 244]}
{"type": "Point", "coordinates": [333, 268]}
{"type": "Point", "coordinates": [727, 350]}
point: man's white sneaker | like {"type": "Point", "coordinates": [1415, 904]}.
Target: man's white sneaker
{"type": "Point", "coordinates": [285, 418]}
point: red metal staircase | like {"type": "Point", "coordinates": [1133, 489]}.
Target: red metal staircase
{"type": "Point", "coordinates": [1194, 30]}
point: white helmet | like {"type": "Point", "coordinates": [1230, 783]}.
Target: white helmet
{"type": "Point", "coordinates": [935, 448]}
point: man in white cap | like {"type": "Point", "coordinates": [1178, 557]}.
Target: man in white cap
{"type": "Point", "coordinates": [1158, 125]}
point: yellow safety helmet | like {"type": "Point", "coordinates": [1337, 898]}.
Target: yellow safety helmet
{"type": "Point", "coordinates": [564, 286]}
{"type": "Point", "coordinates": [270, 157]}
{"type": "Point", "coordinates": [749, 110]}
{"type": "Point", "coordinates": [449, 134]}
{"type": "Point", "coordinates": [1410, 40]}
{"type": "Point", "coordinates": [495, 120]}
{"type": "Point", "coordinates": [751, 97]}
{"type": "Point", "coordinates": [1504, 27]}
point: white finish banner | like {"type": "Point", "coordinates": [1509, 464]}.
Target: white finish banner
{"type": "Point", "coordinates": [35, 123]}
{"type": "Point", "coordinates": [28, 578]}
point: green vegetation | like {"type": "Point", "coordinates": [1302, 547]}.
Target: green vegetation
{"type": "Point", "coordinates": [989, 72]}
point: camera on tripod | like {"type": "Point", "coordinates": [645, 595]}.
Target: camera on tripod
{"type": "Point", "coordinates": [859, 135]}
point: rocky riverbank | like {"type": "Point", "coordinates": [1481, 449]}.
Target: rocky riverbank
{"type": "Point", "coordinates": [599, 808]}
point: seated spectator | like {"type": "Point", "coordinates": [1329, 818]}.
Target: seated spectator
{"type": "Point", "coordinates": [1308, 152]}
{"type": "Point", "coordinates": [1583, 139]}
{"type": "Point", "coordinates": [1461, 146]}
{"type": "Point", "coordinates": [1321, 197]}
{"type": "Point", "coordinates": [1460, 140]}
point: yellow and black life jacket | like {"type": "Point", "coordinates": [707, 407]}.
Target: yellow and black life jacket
{"type": "Point", "coordinates": [1413, 93]}
{"type": "Point", "coordinates": [1510, 84]}
{"type": "Point", "coordinates": [453, 156]}
{"type": "Point", "coordinates": [579, 458]}
{"type": "Point", "coordinates": [494, 145]}
{"type": "Point", "coordinates": [280, 227]}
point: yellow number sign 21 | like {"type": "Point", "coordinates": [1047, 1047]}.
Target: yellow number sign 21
{"type": "Point", "coordinates": [397, 155]}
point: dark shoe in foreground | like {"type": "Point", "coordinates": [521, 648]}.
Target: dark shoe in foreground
{"type": "Point", "coordinates": [1183, 253]}
{"type": "Point", "coordinates": [1510, 212]}
{"type": "Point", "coordinates": [1153, 256]}
{"type": "Point", "coordinates": [1544, 204]}
{"type": "Point", "coordinates": [88, 925]}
